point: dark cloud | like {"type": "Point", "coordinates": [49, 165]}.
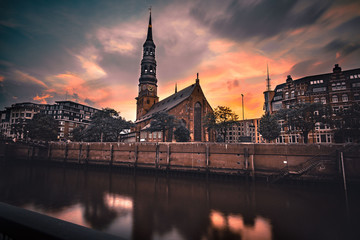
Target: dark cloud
{"type": "Point", "coordinates": [262, 20]}
{"type": "Point", "coordinates": [342, 47]}
{"type": "Point", "coordinates": [89, 102]}
{"type": "Point", "coordinates": [303, 68]}
{"type": "Point", "coordinates": [231, 84]}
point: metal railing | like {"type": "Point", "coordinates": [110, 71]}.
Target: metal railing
{"type": "Point", "coordinates": [17, 223]}
{"type": "Point", "coordinates": [308, 165]}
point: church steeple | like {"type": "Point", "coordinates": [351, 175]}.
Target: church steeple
{"type": "Point", "coordinates": [149, 34]}
{"type": "Point", "coordinates": [147, 82]}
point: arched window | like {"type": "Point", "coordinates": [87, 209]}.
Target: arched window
{"type": "Point", "coordinates": [345, 98]}
{"type": "Point", "coordinates": [287, 95]}
{"type": "Point", "coordinates": [335, 99]}
{"type": "Point", "coordinates": [146, 69]}
{"type": "Point", "coordinates": [151, 69]}
{"type": "Point", "coordinates": [316, 100]}
{"type": "Point", "coordinates": [197, 122]}
{"type": "Point", "coordinates": [292, 94]}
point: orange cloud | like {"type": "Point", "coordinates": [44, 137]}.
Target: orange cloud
{"type": "Point", "coordinates": [2, 78]}
{"type": "Point", "coordinates": [229, 73]}
{"type": "Point", "coordinates": [24, 77]}
{"type": "Point", "coordinates": [43, 98]}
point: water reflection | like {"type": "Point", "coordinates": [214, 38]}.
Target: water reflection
{"type": "Point", "coordinates": [137, 206]}
{"type": "Point", "coordinates": [233, 225]}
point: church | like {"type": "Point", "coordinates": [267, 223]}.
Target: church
{"type": "Point", "coordinates": [188, 105]}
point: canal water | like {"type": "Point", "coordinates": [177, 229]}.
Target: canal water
{"type": "Point", "coordinates": [146, 206]}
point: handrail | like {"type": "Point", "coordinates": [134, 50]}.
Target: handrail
{"type": "Point", "coordinates": [18, 223]}
{"type": "Point", "coordinates": [308, 165]}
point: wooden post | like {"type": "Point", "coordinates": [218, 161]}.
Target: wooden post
{"type": "Point", "coordinates": [66, 152]}
{"type": "Point", "coordinates": [80, 150]}
{"type": "Point", "coordinates": [136, 155]}
{"type": "Point", "coordinates": [252, 166]}
{"type": "Point", "coordinates": [49, 152]}
{"type": "Point", "coordinates": [32, 152]}
{"type": "Point", "coordinates": [207, 152]}
{"type": "Point", "coordinates": [157, 155]}
{"type": "Point", "coordinates": [168, 156]}
{"type": "Point", "coordinates": [28, 153]}
{"type": "Point", "coordinates": [87, 153]}
{"type": "Point", "coordinates": [343, 169]}
{"type": "Point", "coordinates": [246, 158]}
{"type": "Point", "coordinates": [111, 154]}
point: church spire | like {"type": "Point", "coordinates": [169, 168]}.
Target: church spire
{"type": "Point", "coordinates": [268, 87]}
{"type": "Point", "coordinates": [149, 33]}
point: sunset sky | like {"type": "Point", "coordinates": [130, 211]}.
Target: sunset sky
{"type": "Point", "coordinates": [90, 51]}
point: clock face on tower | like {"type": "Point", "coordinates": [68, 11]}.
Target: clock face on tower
{"type": "Point", "coordinates": [150, 88]}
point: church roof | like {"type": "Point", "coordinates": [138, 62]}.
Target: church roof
{"type": "Point", "coordinates": [169, 102]}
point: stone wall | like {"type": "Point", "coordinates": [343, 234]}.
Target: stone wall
{"type": "Point", "coordinates": [242, 159]}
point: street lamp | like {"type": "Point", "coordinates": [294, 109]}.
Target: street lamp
{"type": "Point", "coordinates": [242, 101]}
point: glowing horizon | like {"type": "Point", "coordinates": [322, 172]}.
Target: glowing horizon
{"type": "Point", "coordinates": [91, 53]}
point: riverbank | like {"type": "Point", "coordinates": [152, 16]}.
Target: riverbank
{"type": "Point", "coordinates": [273, 162]}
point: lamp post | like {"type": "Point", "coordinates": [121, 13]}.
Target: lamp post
{"type": "Point", "coordinates": [242, 102]}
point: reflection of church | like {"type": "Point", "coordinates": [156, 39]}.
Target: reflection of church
{"type": "Point", "coordinates": [188, 105]}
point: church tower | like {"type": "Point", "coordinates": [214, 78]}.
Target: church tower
{"type": "Point", "coordinates": [147, 95]}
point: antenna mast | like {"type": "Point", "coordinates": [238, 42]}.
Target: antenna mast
{"type": "Point", "coordinates": [268, 86]}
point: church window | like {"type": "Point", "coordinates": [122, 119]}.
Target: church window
{"type": "Point", "coordinates": [197, 122]}
{"type": "Point", "coordinates": [316, 100]}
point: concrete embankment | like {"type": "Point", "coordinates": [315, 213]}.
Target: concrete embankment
{"type": "Point", "coordinates": [297, 161]}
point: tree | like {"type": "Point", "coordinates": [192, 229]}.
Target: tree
{"type": "Point", "coordinates": [219, 120]}
{"type": "Point", "coordinates": [182, 134]}
{"type": "Point", "coordinates": [106, 126]}
{"type": "Point", "coordinates": [347, 124]}
{"type": "Point", "coordinates": [269, 127]}
{"type": "Point", "coordinates": [162, 121]}
{"type": "Point", "coordinates": [301, 118]}
{"type": "Point", "coordinates": [18, 128]}
{"type": "Point", "coordinates": [42, 127]}
{"type": "Point", "coordinates": [78, 133]}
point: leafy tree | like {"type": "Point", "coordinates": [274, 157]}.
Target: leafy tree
{"type": "Point", "coordinates": [347, 124]}
{"type": "Point", "coordinates": [162, 121]}
{"type": "Point", "coordinates": [269, 127]}
{"type": "Point", "coordinates": [219, 120]}
{"type": "Point", "coordinates": [182, 134]}
{"type": "Point", "coordinates": [78, 133]}
{"type": "Point", "coordinates": [42, 127]}
{"type": "Point", "coordinates": [301, 118]}
{"type": "Point", "coordinates": [106, 126]}
{"type": "Point", "coordinates": [209, 122]}
{"type": "Point", "coordinates": [18, 128]}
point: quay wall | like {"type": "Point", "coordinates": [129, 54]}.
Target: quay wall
{"type": "Point", "coordinates": [260, 160]}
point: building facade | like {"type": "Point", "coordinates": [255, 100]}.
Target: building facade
{"type": "Point", "coordinates": [339, 89]}
{"type": "Point", "coordinates": [16, 113]}
{"type": "Point", "coordinates": [69, 114]}
{"type": "Point", "coordinates": [244, 131]}
{"type": "Point", "coordinates": [188, 105]}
